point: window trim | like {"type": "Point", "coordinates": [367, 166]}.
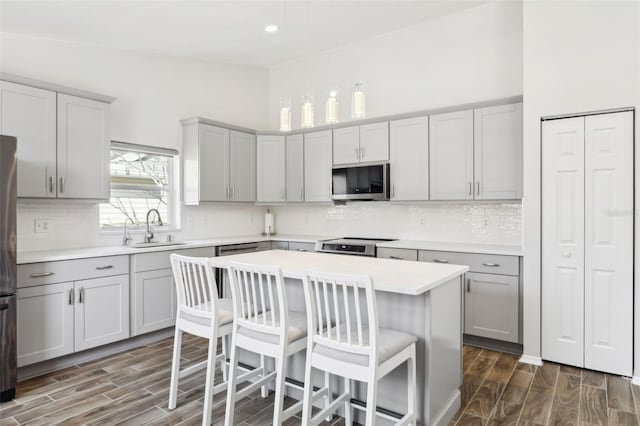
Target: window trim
{"type": "Point", "coordinates": [174, 196]}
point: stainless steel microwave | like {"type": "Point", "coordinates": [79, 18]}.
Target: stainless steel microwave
{"type": "Point", "coordinates": [366, 182]}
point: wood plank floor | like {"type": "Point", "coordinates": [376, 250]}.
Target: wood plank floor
{"type": "Point", "coordinates": [132, 389]}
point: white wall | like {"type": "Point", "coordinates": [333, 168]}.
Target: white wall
{"type": "Point", "coordinates": [474, 55]}
{"type": "Point", "coordinates": [577, 57]}
{"type": "Point", "coordinates": [153, 93]}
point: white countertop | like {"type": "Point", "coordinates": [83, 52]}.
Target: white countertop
{"type": "Point", "coordinates": [88, 252]}
{"type": "Point", "coordinates": [507, 250]}
{"type": "Point", "coordinates": [396, 276]}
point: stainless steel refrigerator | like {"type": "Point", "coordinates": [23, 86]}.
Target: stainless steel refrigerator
{"type": "Point", "coordinates": [8, 269]}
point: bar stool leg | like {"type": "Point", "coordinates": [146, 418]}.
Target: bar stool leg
{"type": "Point", "coordinates": [348, 419]}
{"type": "Point", "coordinates": [175, 369]}
{"type": "Point", "coordinates": [264, 391]}
{"type": "Point", "coordinates": [372, 394]}
{"type": "Point", "coordinates": [211, 371]}
{"type": "Point", "coordinates": [411, 383]}
{"type": "Point", "coordinates": [327, 399]}
{"type": "Point", "coordinates": [307, 406]}
{"type": "Point", "coordinates": [281, 365]}
{"type": "Point", "coordinates": [224, 366]}
{"type": "Point", "coordinates": [231, 386]}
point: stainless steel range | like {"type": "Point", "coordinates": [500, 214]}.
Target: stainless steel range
{"type": "Point", "coordinates": [350, 245]}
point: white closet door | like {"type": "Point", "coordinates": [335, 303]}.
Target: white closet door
{"type": "Point", "coordinates": [609, 243]}
{"type": "Point", "coordinates": [563, 241]}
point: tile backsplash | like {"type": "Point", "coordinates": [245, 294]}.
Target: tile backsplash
{"type": "Point", "coordinates": [487, 222]}
{"type": "Point", "coordinates": [76, 225]}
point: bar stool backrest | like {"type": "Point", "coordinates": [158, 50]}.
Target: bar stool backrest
{"type": "Point", "coordinates": [349, 302]}
{"type": "Point", "coordinates": [259, 298]}
{"type": "Point", "coordinates": [195, 285]}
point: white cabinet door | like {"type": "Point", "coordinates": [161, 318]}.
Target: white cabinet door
{"type": "Point", "coordinates": [409, 159]}
{"type": "Point", "coordinates": [563, 241]}
{"type": "Point", "coordinates": [317, 166]}
{"type": "Point", "coordinates": [213, 162]}
{"type": "Point", "coordinates": [295, 168]}
{"type": "Point", "coordinates": [498, 152]}
{"type": "Point", "coordinates": [83, 148]}
{"type": "Point", "coordinates": [45, 322]}
{"type": "Point", "coordinates": [271, 169]}
{"type": "Point", "coordinates": [242, 166]}
{"type": "Point", "coordinates": [102, 311]}
{"type": "Point", "coordinates": [451, 156]}
{"type": "Point", "coordinates": [154, 301]}
{"type": "Point", "coordinates": [29, 114]}
{"type": "Point", "coordinates": [491, 306]}
{"type": "Point", "coordinates": [608, 227]}
{"type": "Point", "coordinates": [374, 142]}
{"type": "Point", "coordinates": [346, 145]}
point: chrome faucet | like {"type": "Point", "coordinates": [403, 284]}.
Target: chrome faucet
{"type": "Point", "coordinates": [126, 238]}
{"type": "Point", "coordinates": [149, 235]}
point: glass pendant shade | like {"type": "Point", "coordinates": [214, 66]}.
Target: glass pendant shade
{"type": "Point", "coordinates": [359, 101]}
{"type": "Point", "coordinates": [332, 107]}
{"type": "Point", "coordinates": [306, 112]}
{"type": "Point", "coordinates": [285, 114]}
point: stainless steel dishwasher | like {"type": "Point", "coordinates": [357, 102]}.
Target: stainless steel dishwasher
{"type": "Point", "coordinates": [222, 279]}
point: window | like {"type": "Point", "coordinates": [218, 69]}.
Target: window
{"type": "Point", "coordinates": [142, 178]}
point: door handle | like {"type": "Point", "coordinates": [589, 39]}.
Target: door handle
{"type": "Point", "coordinates": [71, 293]}
{"type": "Point", "coordinates": [51, 184]}
{"type": "Point", "coordinates": [491, 265]}
{"type": "Point", "coordinates": [62, 185]}
{"type": "Point", "coordinates": [81, 298]}
{"type": "Point", "coordinates": [101, 268]}
{"type": "Point", "coordinates": [440, 261]}
{"type": "Point", "coordinates": [41, 274]}
{"type": "Point", "coordinates": [478, 188]}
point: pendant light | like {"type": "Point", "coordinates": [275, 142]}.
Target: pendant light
{"type": "Point", "coordinates": [285, 114]}
{"type": "Point", "coordinates": [332, 111]}
{"type": "Point", "coordinates": [359, 101]}
{"type": "Point", "coordinates": [306, 112]}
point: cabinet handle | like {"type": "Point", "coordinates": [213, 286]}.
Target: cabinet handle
{"type": "Point", "coordinates": [396, 257]}
{"type": "Point", "coordinates": [393, 191]}
{"type": "Point", "coordinates": [362, 153]}
{"type": "Point", "coordinates": [357, 151]}
{"type": "Point", "coordinates": [233, 192]}
{"type": "Point", "coordinates": [100, 268]}
{"type": "Point", "coordinates": [81, 298]}
{"type": "Point", "coordinates": [62, 185]}
{"type": "Point", "coordinates": [71, 293]}
{"type": "Point", "coordinates": [468, 285]}
{"type": "Point", "coordinates": [491, 265]}
{"type": "Point", "coordinates": [51, 184]}
{"type": "Point", "coordinates": [283, 195]}
{"type": "Point", "coordinates": [301, 193]}
{"type": "Point", "coordinates": [470, 188]}
{"type": "Point", "coordinates": [440, 261]}
{"type": "Point", "coordinates": [478, 188]}
{"type": "Point", "coordinates": [41, 274]}
{"type": "Point", "coordinates": [302, 250]}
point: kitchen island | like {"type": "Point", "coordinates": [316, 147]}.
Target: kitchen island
{"type": "Point", "coordinates": [423, 299]}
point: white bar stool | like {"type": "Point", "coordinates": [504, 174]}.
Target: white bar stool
{"type": "Point", "coordinates": [263, 324]}
{"type": "Point", "coordinates": [201, 313]}
{"type": "Point", "coordinates": [355, 348]}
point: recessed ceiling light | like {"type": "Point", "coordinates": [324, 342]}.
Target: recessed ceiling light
{"type": "Point", "coordinates": [271, 28]}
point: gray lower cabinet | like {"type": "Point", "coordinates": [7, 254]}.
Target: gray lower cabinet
{"type": "Point", "coordinates": [301, 246]}
{"type": "Point", "coordinates": [279, 245]}
{"type": "Point", "coordinates": [491, 306]}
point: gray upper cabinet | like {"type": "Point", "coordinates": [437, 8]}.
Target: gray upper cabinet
{"type": "Point", "coordinates": [219, 164]}
{"type": "Point", "coordinates": [451, 155]}
{"type": "Point", "coordinates": [317, 166]}
{"type": "Point", "coordinates": [83, 148]}
{"type": "Point", "coordinates": [271, 169]}
{"type": "Point", "coordinates": [294, 169]}
{"type": "Point", "coordinates": [64, 142]}
{"type": "Point", "coordinates": [374, 142]}
{"type": "Point", "coordinates": [242, 166]}
{"type": "Point", "coordinates": [358, 144]}
{"type": "Point", "coordinates": [346, 145]}
{"type": "Point", "coordinates": [498, 152]}
{"type": "Point", "coordinates": [409, 159]}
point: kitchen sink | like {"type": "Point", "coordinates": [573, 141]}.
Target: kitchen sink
{"type": "Point", "coordinates": [156, 244]}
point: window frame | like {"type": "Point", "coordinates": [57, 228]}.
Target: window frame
{"type": "Point", "coordinates": [174, 196]}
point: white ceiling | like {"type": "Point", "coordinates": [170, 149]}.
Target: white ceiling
{"type": "Point", "coordinates": [220, 31]}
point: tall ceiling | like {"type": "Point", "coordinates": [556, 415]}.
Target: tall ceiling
{"type": "Point", "coordinates": [220, 31]}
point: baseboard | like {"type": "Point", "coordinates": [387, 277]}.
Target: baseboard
{"type": "Point", "coordinates": [55, 364]}
{"type": "Point", "coordinates": [529, 359]}
{"type": "Point", "coordinates": [448, 412]}
{"type": "Point", "coordinates": [493, 344]}
{"type": "Point", "coordinates": [635, 380]}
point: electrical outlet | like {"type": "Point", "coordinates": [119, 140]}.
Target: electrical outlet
{"type": "Point", "coordinates": [41, 226]}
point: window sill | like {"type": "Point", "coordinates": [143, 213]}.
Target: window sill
{"type": "Point", "coordinates": [139, 230]}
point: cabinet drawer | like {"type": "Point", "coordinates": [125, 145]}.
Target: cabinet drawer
{"type": "Point", "coordinates": [395, 253]}
{"type": "Point", "coordinates": [279, 245]}
{"type": "Point", "coordinates": [493, 264]}
{"type": "Point", "coordinates": [293, 246]}
{"type": "Point", "coordinates": [161, 259]}
{"type": "Point", "coordinates": [442, 257]}
{"type": "Point", "coordinates": [33, 274]}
